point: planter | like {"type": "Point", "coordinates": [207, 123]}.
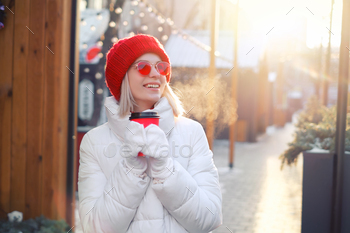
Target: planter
{"type": "Point", "coordinates": [317, 192]}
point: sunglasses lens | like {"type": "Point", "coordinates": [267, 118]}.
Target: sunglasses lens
{"type": "Point", "coordinates": [144, 68]}
{"type": "Point", "coordinates": [163, 68]}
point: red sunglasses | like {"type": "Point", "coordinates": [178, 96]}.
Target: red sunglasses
{"type": "Point", "coordinates": [144, 67]}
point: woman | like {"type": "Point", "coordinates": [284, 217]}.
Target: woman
{"type": "Point", "coordinates": [175, 186]}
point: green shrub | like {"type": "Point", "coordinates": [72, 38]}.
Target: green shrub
{"type": "Point", "coordinates": [39, 225]}
{"type": "Point", "coordinates": [315, 128]}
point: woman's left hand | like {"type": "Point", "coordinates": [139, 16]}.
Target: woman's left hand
{"type": "Point", "coordinates": [158, 150]}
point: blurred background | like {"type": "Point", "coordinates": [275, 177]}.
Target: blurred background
{"type": "Point", "coordinates": [266, 79]}
{"type": "Point", "coordinates": [283, 57]}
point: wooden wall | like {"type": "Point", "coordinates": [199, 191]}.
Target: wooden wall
{"type": "Point", "coordinates": [34, 93]}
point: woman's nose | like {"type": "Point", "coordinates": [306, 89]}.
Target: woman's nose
{"type": "Point", "coordinates": [154, 72]}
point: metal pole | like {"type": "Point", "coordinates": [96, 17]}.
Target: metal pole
{"type": "Point", "coordinates": [234, 88]}
{"type": "Point", "coordinates": [328, 61]}
{"type": "Point", "coordinates": [341, 120]}
{"type": "Point", "coordinates": [212, 72]}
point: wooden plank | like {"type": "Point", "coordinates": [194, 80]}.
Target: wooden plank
{"type": "Point", "coordinates": [54, 149]}
{"type": "Point", "coordinates": [6, 65]}
{"type": "Point", "coordinates": [50, 108]}
{"type": "Point", "coordinates": [19, 107]}
{"type": "Point", "coordinates": [35, 94]}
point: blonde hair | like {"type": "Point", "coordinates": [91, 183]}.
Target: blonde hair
{"type": "Point", "coordinates": [127, 101]}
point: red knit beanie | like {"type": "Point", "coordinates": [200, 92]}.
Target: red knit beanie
{"type": "Point", "coordinates": [124, 53]}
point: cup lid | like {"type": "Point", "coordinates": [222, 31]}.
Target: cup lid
{"type": "Point", "coordinates": [136, 115]}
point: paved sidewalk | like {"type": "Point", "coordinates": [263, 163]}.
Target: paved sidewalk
{"type": "Point", "coordinates": [257, 195]}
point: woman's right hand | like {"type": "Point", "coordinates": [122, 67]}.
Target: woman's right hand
{"type": "Point", "coordinates": [135, 140]}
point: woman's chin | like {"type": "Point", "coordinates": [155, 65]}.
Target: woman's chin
{"type": "Point", "coordinates": [150, 99]}
{"type": "Point", "coordinates": [153, 97]}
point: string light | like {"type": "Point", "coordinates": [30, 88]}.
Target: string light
{"type": "Point", "coordinates": [142, 14]}
{"type": "Point", "coordinates": [99, 91]}
{"type": "Point", "coordinates": [98, 75]}
{"type": "Point", "coordinates": [112, 24]}
{"type": "Point", "coordinates": [99, 16]}
{"type": "Point", "coordinates": [86, 70]}
{"type": "Point", "coordinates": [100, 43]}
{"type": "Point", "coordinates": [132, 12]}
{"type": "Point", "coordinates": [149, 9]}
{"type": "Point", "coordinates": [134, 3]}
{"type": "Point", "coordinates": [114, 40]}
{"type": "Point", "coordinates": [164, 37]}
{"type": "Point", "coordinates": [85, 45]}
{"type": "Point", "coordinates": [125, 23]}
{"type": "Point", "coordinates": [118, 10]}
{"type": "Point", "coordinates": [100, 55]}
{"type": "Point", "coordinates": [170, 22]}
{"type": "Point", "coordinates": [160, 29]}
{"type": "Point", "coordinates": [160, 19]}
{"type": "Point", "coordinates": [83, 22]}
{"type": "Point", "coordinates": [131, 34]}
{"type": "Point", "coordinates": [92, 28]}
{"type": "Point", "coordinates": [144, 27]}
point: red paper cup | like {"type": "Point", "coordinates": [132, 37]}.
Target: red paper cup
{"type": "Point", "coordinates": [145, 118]}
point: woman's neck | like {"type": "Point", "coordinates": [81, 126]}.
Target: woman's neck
{"type": "Point", "coordinates": [142, 107]}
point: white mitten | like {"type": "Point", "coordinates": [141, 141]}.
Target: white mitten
{"type": "Point", "coordinates": [157, 148]}
{"type": "Point", "coordinates": [134, 141]}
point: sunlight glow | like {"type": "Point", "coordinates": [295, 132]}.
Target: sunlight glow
{"type": "Point", "coordinates": [292, 20]}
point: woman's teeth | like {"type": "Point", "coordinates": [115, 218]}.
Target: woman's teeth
{"type": "Point", "coordinates": [152, 86]}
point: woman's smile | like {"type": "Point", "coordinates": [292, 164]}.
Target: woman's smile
{"type": "Point", "coordinates": [152, 86]}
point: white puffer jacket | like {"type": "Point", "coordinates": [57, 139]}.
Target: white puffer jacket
{"type": "Point", "coordinates": [112, 199]}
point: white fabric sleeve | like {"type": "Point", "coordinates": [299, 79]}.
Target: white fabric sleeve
{"type": "Point", "coordinates": [107, 205]}
{"type": "Point", "coordinates": [193, 197]}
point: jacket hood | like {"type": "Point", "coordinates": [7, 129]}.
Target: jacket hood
{"type": "Point", "coordinates": [118, 124]}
